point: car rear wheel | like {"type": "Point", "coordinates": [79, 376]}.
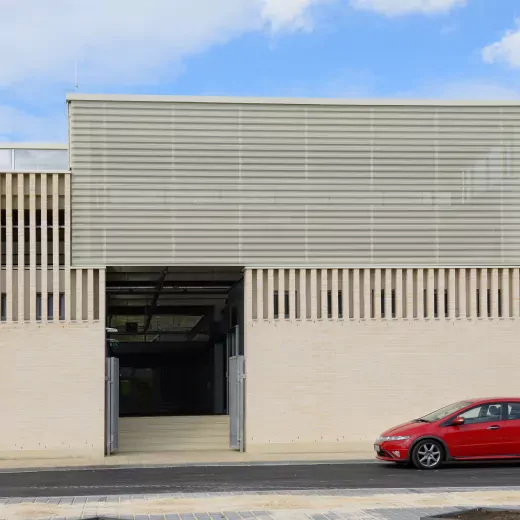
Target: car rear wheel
{"type": "Point", "coordinates": [428, 454]}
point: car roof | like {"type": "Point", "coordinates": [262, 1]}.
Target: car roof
{"type": "Point", "coordinates": [495, 399]}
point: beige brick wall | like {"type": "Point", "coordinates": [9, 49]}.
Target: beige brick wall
{"type": "Point", "coordinates": [52, 390]}
{"type": "Point", "coordinates": [326, 385]}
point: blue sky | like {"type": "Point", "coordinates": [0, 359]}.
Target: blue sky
{"type": "Point", "coordinates": [450, 49]}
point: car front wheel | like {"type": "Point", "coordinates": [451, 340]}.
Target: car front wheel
{"type": "Point", "coordinates": [428, 454]}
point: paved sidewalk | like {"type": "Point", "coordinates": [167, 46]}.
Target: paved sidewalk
{"type": "Point", "coordinates": [192, 458]}
{"type": "Point", "coordinates": [339, 504]}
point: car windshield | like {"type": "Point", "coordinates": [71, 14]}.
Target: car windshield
{"type": "Point", "coordinates": [444, 412]}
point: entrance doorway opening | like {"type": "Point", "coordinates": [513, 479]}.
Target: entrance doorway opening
{"type": "Point", "coordinates": [172, 332]}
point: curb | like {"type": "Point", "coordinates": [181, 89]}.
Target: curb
{"type": "Point", "coordinates": [97, 467]}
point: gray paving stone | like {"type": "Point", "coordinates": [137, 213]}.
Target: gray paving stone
{"type": "Point", "coordinates": [92, 504]}
{"type": "Point", "coordinates": [401, 514]}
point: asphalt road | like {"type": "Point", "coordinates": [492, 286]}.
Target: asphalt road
{"type": "Point", "coordinates": [250, 478]}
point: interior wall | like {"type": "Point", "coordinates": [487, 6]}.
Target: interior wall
{"type": "Point", "coordinates": [52, 385]}
{"type": "Point", "coordinates": [313, 384]}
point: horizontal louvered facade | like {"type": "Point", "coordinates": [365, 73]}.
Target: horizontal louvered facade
{"type": "Point", "coordinates": [252, 182]}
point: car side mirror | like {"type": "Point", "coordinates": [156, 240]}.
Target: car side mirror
{"type": "Point", "coordinates": [458, 421]}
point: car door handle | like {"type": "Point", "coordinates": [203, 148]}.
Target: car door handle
{"type": "Point", "coordinates": [494, 428]}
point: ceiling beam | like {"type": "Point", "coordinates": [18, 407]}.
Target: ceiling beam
{"type": "Point", "coordinates": [150, 333]}
{"type": "Point", "coordinates": [161, 310]}
{"type": "Point", "coordinates": [204, 325]}
{"type": "Point", "coordinates": [169, 284]}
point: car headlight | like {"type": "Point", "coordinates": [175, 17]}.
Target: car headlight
{"type": "Point", "coordinates": [398, 438]}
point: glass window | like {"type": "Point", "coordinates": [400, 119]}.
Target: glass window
{"type": "Point", "coordinates": [276, 310]}
{"type": "Point", "coordinates": [5, 160]}
{"type": "Point", "coordinates": [483, 413]}
{"type": "Point", "coordinates": [340, 304]}
{"type": "Point", "coordinates": [4, 307]}
{"type": "Point", "coordinates": [62, 306]}
{"type": "Point", "coordinates": [513, 411]}
{"type": "Point", "coordinates": [50, 306]}
{"type": "Point", "coordinates": [41, 160]}
{"type": "Point", "coordinates": [445, 412]}
{"type": "Point", "coordinates": [436, 297]}
{"type": "Point", "coordinates": [38, 306]}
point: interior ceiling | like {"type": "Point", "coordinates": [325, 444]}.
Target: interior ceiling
{"type": "Point", "coordinates": [166, 304]}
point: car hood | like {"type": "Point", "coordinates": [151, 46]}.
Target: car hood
{"type": "Point", "coordinates": [408, 428]}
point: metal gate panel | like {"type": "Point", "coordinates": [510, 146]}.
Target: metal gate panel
{"type": "Point", "coordinates": [232, 339]}
{"type": "Point", "coordinates": [236, 402]}
{"type": "Point", "coordinates": [112, 406]}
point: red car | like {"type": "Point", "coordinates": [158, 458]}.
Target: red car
{"type": "Point", "coordinates": [479, 429]}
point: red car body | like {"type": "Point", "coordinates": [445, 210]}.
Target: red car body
{"type": "Point", "coordinates": [477, 429]}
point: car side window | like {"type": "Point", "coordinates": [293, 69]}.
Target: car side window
{"type": "Point", "coordinates": [483, 413]}
{"type": "Point", "coordinates": [513, 411]}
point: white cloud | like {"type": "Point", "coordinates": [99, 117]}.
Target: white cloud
{"type": "Point", "coordinates": [119, 41]}
{"type": "Point", "coordinates": [116, 44]}
{"type": "Point", "coordinates": [122, 44]}
{"type": "Point", "coordinates": [404, 7]}
{"type": "Point", "coordinates": [288, 13]}
{"type": "Point", "coordinates": [506, 50]}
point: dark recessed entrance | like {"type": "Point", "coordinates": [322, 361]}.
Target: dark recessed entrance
{"type": "Point", "coordinates": [168, 328]}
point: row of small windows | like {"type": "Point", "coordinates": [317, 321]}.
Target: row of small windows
{"type": "Point", "coordinates": [39, 307]}
{"type": "Point", "coordinates": [436, 305]}
{"type": "Point", "coordinates": [37, 215]}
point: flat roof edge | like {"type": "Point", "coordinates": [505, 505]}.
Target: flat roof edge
{"type": "Point", "coordinates": [285, 101]}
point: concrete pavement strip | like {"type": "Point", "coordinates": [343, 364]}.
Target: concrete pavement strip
{"type": "Point", "coordinates": [336, 504]}
{"type": "Point", "coordinates": [94, 467]}
{"type": "Point", "coordinates": [204, 458]}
